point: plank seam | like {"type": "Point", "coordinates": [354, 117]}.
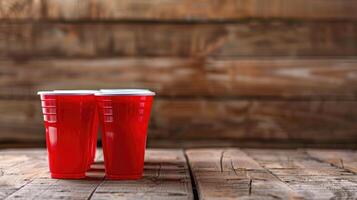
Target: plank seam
{"type": "Point", "coordinates": [95, 189]}
{"type": "Point", "coordinates": [194, 186]}
{"type": "Point", "coordinates": [18, 189]}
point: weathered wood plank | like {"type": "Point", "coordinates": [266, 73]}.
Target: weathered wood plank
{"type": "Point", "coordinates": [309, 177]}
{"type": "Point", "coordinates": [340, 158]}
{"type": "Point", "coordinates": [185, 10]}
{"type": "Point", "coordinates": [47, 188]}
{"type": "Point", "coordinates": [307, 121]}
{"type": "Point", "coordinates": [251, 38]}
{"type": "Point", "coordinates": [250, 77]}
{"type": "Point", "coordinates": [226, 173]}
{"type": "Point", "coordinates": [43, 187]}
{"type": "Point", "coordinates": [166, 176]}
{"type": "Point", "coordinates": [231, 174]}
{"type": "Point", "coordinates": [21, 120]}
{"type": "Point", "coordinates": [304, 121]}
{"type": "Point", "coordinates": [18, 168]}
{"type": "Point", "coordinates": [20, 9]}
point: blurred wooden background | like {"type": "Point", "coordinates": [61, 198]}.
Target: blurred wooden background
{"type": "Point", "coordinates": [227, 72]}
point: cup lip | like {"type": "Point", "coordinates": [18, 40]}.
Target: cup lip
{"type": "Point", "coordinates": [67, 92]}
{"type": "Point", "coordinates": [124, 92]}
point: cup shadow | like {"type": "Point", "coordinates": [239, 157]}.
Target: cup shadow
{"type": "Point", "coordinates": [96, 171]}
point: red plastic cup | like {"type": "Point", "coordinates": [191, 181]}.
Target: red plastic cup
{"type": "Point", "coordinates": [124, 116]}
{"type": "Point", "coordinates": [69, 117]}
{"type": "Point", "coordinates": [94, 135]}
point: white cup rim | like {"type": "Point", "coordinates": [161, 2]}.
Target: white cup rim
{"type": "Point", "coordinates": [68, 92]}
{"type": "Point", "coordinates": [124, 92]}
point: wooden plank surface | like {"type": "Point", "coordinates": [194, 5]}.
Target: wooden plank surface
{"type": "Point", "coordinates": [47, 188]}
{"type": "Point", "coordinates": [340, 158]}
{"type": "Point", "coordinates": [301, 121]}
{"type": "Point", "coordinates": [250, 38]}
{"type": "Point", "coordinates": [166, 176]}
{"type": "Point", "coordinates": [231, 174]}
{"type": "Point", "coordinates": [307, 176]}
{"type": "Point", "coordinates": [185, 10]}
{"type": "Point", "coordinates": [268, 174]}
{"type": "Point", "coordinates": [311, 78]}
{"type": "Point", "coordinates": [227, 173]}
{"type": "Point", "coordinates": [18, 168]}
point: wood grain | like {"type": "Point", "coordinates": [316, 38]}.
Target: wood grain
{"type": "Point", "coordinates": [47, 188]}
{"type": "Point", "coordinates": [20, 9]}
{"type": "Point", "coordinates": [252, 38]}
{"type": "Point", "coordinates": [185, 10]}
{"type": "Point", "coordinates": [307, 176]}
{"type": "Point", "coordinates": [166, 176]}
{"type": "Point", "coordinates": [231, 174]}
{"type": "Point", "coordinates": [21, 120]}
{"type": "Point", "coordinates": [194, 119]}
{"type": "Point", "coordinates": [227, 173]}
{"type": "Point", "coordinates": [321, 79]}
{"type": "Point", "coordinates": [340, 158]}
{"type": "Point", "coordinates": [304, 121]}
{"type": "Point", "coordinates": [18, 168]}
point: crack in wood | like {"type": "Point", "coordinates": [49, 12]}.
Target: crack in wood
{"type": "Point", "coordinates": [194, 185]}
{"type": "Point", "coordinates": [250, 186]}
{"type": "Point", "coordinates": [221, 160]}
{"type": "Point", "coordinates": [234, 170]}
{"type": "Point", "coordinates": [341, 162]}
{"type": "Point", "coordinates": [95, 189]}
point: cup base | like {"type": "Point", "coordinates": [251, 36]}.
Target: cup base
{"type": "Point", "coordinates": [68, 176]}
{"type": "Point", "coordinates": [123, 176]}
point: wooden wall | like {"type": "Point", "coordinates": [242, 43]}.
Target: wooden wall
{"type": "Point", "coordinates": [228, 72]}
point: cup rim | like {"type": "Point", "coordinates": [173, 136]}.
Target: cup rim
{"type": "Point", "coordinates": [67, 92]}
{"type": "Point", "coordinates": [125, 92]}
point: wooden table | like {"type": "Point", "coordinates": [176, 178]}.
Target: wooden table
{"type": "Point", "coordinates": [228, 173]}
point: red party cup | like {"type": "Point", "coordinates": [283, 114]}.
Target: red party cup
{"type": "Point", "coordinates": [124, 116]}
{"type": "Point", "coordinates": [69, 117]}
{"type": "Point", "coordinates": [93, 139]}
